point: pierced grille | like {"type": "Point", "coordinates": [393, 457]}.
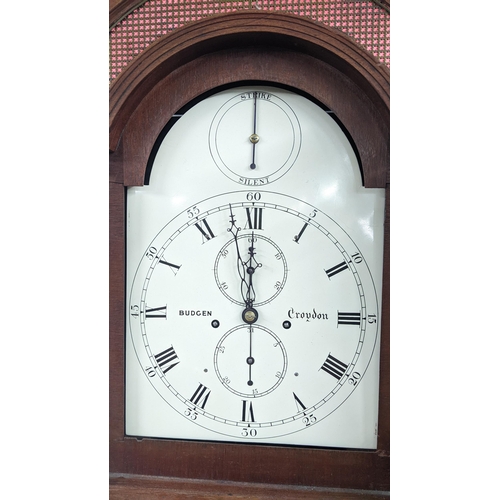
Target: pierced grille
{"type": "Point", "coordinates": [368, 23]}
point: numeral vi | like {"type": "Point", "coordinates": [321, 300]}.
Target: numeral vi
{"type": "Point", "coordinates": [254, 218]}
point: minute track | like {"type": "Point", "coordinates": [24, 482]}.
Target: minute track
{"type": "Point", "coordinates": [218, 219]}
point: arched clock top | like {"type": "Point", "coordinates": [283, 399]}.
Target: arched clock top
{"type": "Point", "coordinates": [270, 47]}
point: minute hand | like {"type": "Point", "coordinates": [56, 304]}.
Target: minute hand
{"type": "Point", "coordinates": [250, 269]}
{"type": "Point", "coordinates": [240, 264]}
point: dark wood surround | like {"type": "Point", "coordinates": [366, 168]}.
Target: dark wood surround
{"type": "Point", "coordinates": [279, 49]}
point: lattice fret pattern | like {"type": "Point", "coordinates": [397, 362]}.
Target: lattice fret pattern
{"type": "Point", "coordinates": [366, 22]}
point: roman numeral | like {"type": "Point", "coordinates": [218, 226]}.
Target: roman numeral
{"type": "Point", "coordinates": [165, 359]}
{"type": "Point", "coordinates": [200, 395]}
{"type": "Point", "coordinates": [297, 238]}
{"type": "Point", "coordinates": [336, 269]}
{"type": "Point", "coordinates": [208, 234]}
{"type": "Point", "coordinates": [254, 218]}
{"type": "Point", "coordinates": [300, 405]}
{"type": "Point", "coordinates": [334, 367]}
{"type": "Point", "coordinates": [154, 312]}
{"type": "Point", "coordinates": [247, 414]}
{"type": "Point", "coordinates": [174, 267]}
{"type": "Point", "coordinates": [348, 318]}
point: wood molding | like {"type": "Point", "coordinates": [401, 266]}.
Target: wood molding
{"type": "Point", "coordinates": [303, 72]}
{"type": "Point", "coordinates": [243, 31]}
{"type": "Point", "coordinates": [158, 488]}
{"type": "Point", "coordinates": [119, 9]}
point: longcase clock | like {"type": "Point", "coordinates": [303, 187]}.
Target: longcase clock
{"type": "Point", "coordinates": [249, 257]}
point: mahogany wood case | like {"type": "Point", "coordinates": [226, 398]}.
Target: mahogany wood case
{"type": "Point", "coordinates": [274, 48]}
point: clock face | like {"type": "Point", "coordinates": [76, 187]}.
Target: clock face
{"type": "Point", "coordinates": [254, 279]}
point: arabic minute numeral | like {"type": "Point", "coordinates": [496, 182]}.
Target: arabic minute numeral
{"type": "Point", "coordinates": [253, 196]}
{"type": "Point", "coordinates": [192, 212]}
{"type": "Point", "coordinates": [249, 432]}
{"type": "Point", "coordinates": [357, 258]}
{"type": "Point", "coordinates": [151, 253]}
{"type": "Point", "coordinates": [191, 413]}
{"type": "Point", "coordinates": [354, 378]}
{"type": "Point", "coordinates": [309, 420]}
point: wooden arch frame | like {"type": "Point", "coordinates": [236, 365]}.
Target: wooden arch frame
{"type": "Point", "coordinates": [226, 49]}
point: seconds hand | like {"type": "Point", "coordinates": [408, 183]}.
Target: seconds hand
{"type": "Point", "coordinates": [250, 359]}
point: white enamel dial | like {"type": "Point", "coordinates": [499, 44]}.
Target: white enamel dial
{"type": "Point", "coordinates": [253, 313]}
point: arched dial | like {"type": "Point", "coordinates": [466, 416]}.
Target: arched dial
{"type": "Point", "coordinates": [314, 330]}
{"type": "Point", "coordinates": [255, 137]}
{"type": "Point", "coordinates": [254, 260]}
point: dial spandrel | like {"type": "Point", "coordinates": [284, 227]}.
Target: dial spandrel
{"type": "Point", "coordinates": [252, 313]}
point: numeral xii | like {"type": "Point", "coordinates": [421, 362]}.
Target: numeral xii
{"type": "Point", "coordinates": [254, 218]}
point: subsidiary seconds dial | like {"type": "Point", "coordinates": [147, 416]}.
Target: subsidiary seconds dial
{"type": "Point", "coordinates": [256, 257]}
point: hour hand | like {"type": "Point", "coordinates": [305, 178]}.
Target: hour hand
{"type": "Point", "coordinates": [240, 264]}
